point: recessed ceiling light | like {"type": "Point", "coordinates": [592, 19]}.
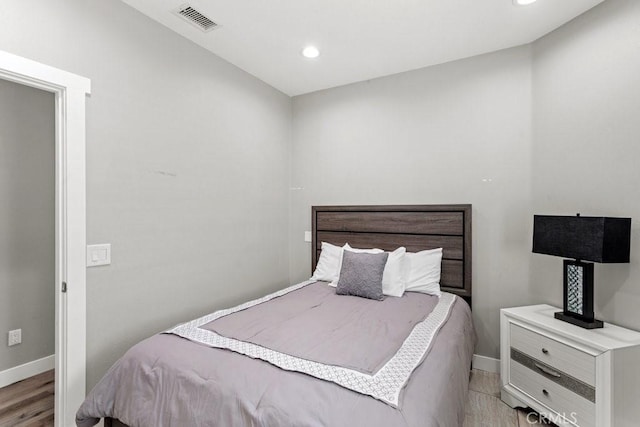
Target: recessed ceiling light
{"type": "Point", "coordinates": [523, 2]}
{"type": "Point", "coordinates": [310, 52]}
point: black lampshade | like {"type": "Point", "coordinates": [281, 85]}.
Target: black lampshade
{"type": "Point", "coordinates": [596, 239]}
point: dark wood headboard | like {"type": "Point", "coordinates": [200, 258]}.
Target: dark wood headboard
{"type": "Point", "coordinates": [416, 227]}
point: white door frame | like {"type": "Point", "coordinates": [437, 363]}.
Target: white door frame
{"type": "Point", "coordinates": [70, 218]}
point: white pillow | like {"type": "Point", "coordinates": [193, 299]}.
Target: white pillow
{"type": "Point", "coordinates": [422, 271]}
{"type": "Point", "coordinates": [392, 279]}
{"type": "Point", "coordinates": [328, 266]}
{"type": "Point", "coordinates": [362, 251]}
{"type": "Point", "coordinates": [393, 282]}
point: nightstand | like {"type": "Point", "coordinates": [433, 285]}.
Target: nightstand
{"type": "Point", "coordinates": [572, 376]}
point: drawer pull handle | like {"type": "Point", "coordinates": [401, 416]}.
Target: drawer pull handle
{"type": "Point", "coordinates": [548, 371]}
{"type": "Point", "coordinates": [545, 392]}
{"type": "Point", "coordinates": [545, 351]}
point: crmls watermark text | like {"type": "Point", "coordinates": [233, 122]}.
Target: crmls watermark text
{"type": "Point", "coordinates": [551, 418]}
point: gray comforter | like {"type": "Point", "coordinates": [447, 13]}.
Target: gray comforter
{"type": "Point", "coordinates": [169, 381]}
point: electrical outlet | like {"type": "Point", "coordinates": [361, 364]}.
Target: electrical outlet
{"type": "Point", "coordinates": [15, 337]}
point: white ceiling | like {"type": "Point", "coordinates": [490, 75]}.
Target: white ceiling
{"type": "Point", "coordinates": [358, 39]}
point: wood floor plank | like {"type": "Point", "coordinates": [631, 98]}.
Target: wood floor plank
{"type": "Point", "coordinates": [20, 400]}
{"type": "Point", "coordinates": [523, 421]}
{"type": "Point", "coordinates": [45, 419]}
{"type": "Point", "coordinates": [25, 413]}
{"type": "Point", "coordinates": [527, 417]}
{"type": "Point", "coordinates": [22, 387]}
{"type": "Point", "coordinates": [484, 410]}
{"type": "Point", "coordinates": [29, 402]}
{"type": "Point", "coordinates": [485, 382]}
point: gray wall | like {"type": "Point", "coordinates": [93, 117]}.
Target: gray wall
{"type": "Point", "coordinates": [27, 228]}
{"type": "Point", "coordinates": [587, 144]}
{"type": "Point", "coordinates": [187, 168]}
{"type": "Point", "coordinates": [554, 126]}
{"type": "Point", "coordinates": [453, 133]}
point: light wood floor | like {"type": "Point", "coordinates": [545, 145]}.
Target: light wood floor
{"type": "Point", "coordinates": [485, 409]}
{"type": "Point", "coordinates": [28, 403]}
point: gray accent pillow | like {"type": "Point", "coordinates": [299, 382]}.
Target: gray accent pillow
{"type": "Point", "coordinates": [361, 275]}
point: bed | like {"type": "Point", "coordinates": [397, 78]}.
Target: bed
{"type": "Point", "coordinates": [305, 356]}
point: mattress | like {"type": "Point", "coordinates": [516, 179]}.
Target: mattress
{"type": "Point", "coordinates": [172, 380]}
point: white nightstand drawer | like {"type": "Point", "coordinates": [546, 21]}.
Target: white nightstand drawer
{"type": "Point", "coordinates": [574, 408]}
{"type": "Point", "coordinates": [574, 362]}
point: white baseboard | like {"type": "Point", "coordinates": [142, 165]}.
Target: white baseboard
{"type": "Point", "coordinates": [29, 369]}
{"type": "Point", "coordinates": [485, 363]}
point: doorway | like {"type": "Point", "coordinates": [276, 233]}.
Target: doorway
{"type": "Point", "coordinates": [27, 245]}
{"type": "Point", "coordinates": [69, 91]}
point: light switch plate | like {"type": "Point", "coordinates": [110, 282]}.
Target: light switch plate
{"type": "Point", "coordinates": [98, 255]}
{"type": "Point", "coordinates": [307, 236]}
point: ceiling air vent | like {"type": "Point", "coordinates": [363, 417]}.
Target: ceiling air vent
{"type": "Point", "coordinates": [195, 18]}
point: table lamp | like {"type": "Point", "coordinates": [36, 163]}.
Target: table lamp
{"type": "Point", "coordinates": [582, 238]}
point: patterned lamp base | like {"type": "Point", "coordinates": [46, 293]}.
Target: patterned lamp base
{"type": "Point", "coordinates": [578, 295]}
